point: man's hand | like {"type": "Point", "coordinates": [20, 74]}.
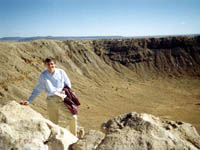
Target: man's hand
{"type": "Point", "coordinates": [24, 103]}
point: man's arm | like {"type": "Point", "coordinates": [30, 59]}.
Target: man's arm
{"type": "Point", "coordinates": [40, 86]}
{"type": "Point", "coordinates": [66, 79]}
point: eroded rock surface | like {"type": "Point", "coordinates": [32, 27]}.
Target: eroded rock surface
{"type": "Point", "coordinates": [147, 132]}
{"type": "Point", "coordinates": [22, 128]}
{"type": "Point", "coordinates": [135, 131]}
{"type": "Point", "coordinates": [90, 141]}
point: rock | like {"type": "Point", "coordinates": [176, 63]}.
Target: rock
{"type": "Point", "coordinates": [90, 141]}
{"type": "Point", "coordinates": [146, 132]}
{"type": "Point", "coordinates": [23, 128]}
{"type": "Point", "coordinates": [163, 56]}
{"type": "Point", "coordinates": [13, 112]}
{"type": "Point", "coordinates": [134, 131]}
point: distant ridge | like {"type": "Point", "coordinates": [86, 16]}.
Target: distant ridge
{"type": "Point", "coordinates": [11, 38]}
{"type": "Point", "coordinates": [59, 38]}
{"type": "Point", "coordinates": [86, 37]}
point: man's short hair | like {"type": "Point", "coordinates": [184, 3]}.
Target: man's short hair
{"type": "Point", "coordinates": [47, 60]}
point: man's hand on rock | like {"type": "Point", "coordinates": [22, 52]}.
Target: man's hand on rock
{"type": "Point", "coordinates": [24, 103]}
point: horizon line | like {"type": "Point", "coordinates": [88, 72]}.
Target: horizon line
{"type": "Point", "coordinates": [100, 35]}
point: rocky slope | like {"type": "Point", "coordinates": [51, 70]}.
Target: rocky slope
{"type": "Point", "coordinates": [168, 56]}
{"type": "Point", "coordinates": [159, 76]}
{"type": "Point", "coordinates": [22, 128]}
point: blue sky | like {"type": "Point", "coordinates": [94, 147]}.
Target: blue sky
{"type": "Point", "coordinates": [98, 17]}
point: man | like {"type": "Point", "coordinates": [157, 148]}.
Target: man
{"type": "Point", "coordinates": [53, 80]}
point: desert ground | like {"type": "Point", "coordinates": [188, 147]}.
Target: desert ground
{"type": "Point", "coordinates": [105, 87]}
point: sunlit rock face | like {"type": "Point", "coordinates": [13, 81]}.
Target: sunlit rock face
{"type": "Point", "coordinates": [23, 128]}
{"type": "Point", "coordinates": [145, 132]}
{"type": "Point", "coordinates": [136, 131]}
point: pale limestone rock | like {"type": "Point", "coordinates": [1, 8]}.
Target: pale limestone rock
{"type": "Point", "coordinates": [135, 131]}
{"type": "Point", "coordinates": [22, 128]}
{"type": "Point", "coordinates": [60, 138]}
{"type": "Point", "coordinates": [14, 112]}
{"type": "Point", "coordinates": [90, 141]}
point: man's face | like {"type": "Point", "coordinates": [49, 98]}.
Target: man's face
{"type": "Point", "coordinates": [50, 66]}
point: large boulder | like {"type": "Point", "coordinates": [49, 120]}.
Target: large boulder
{"type": "Point", "coordinates": [135, 131]}
{"type": "Point", "coordinates": [23, 128]}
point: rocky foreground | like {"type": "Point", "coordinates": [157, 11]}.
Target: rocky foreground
{"type": "Point", "coordinates": [22, 128]}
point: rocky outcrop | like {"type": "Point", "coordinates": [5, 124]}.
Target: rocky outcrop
{"type": "Point", "coordinates": [135, 131]}
{"type": "Point", "coordinates": [175, 56]}
{"type": "Point", "coordinates": [90, 141]}
{"type": "Point", "coordinates": [21, 128]}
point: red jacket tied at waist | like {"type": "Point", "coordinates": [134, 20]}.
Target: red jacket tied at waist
{"type": "Point", "coordinates": [71, 101]}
